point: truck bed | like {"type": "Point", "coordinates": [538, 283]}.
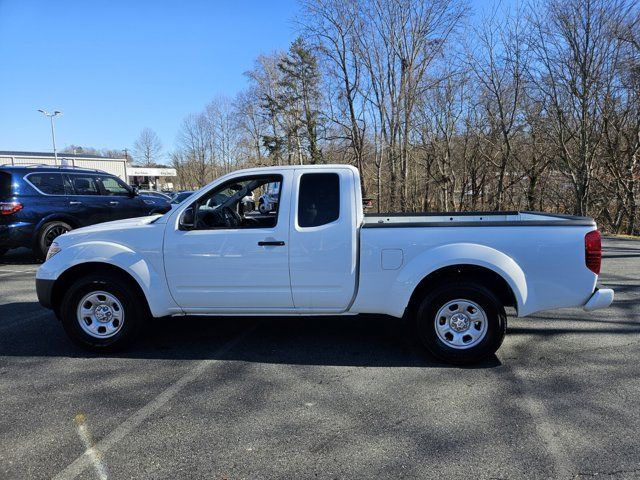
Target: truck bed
{"type": "Point", "coordinates": [473, 219]}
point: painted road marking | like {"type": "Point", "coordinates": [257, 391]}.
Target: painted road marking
{"type": "Point", "coordinates": [80, 464]}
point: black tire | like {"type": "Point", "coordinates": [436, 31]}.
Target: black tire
{"type": "Point", "coordinates": [133, 307]}
{"type": "Point", "coordinates": [437, 299]}
{"type": "Point", "coordinates": [48, 234]}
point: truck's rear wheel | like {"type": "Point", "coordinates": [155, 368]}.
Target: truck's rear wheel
{"type": "Point", "coordinates": [101, 312]}
{"type": "Point", "coordinates": [461, 322]}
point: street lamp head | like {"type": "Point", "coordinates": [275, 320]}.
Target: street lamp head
{"type": "Point", "coordinates": [57, 113]}
{"type": "Point", "coordinates": [42, 111]}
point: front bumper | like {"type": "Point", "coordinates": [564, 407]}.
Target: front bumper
{"type": "Point", "coordinates": [601, 298]}
{"type": "Point", "coordinates": [44, 290]}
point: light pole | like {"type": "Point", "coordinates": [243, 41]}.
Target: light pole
{"type": "Point", "coordinates": [53, 130]}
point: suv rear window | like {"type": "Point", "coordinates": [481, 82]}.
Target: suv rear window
{"type": "Point", "coordinates": [50, 183]}
{"type": "Point", "coordinates": [5, 185]}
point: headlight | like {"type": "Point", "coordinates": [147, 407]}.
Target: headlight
{"type": "Point", "coordinates": [53, 249]}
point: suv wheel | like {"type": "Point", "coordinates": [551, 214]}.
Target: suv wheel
{"type": "Point", "coordinates": [461, 323]}
{"type": "Point", "coordinates": [101, 312]}
{"type": "Point", "coordinates": [48, 233]}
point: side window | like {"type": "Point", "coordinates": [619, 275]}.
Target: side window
{"type": "Point", "coordinates": [241, 203]}
{"type": "Point", "coordinates": [84, 185]}
{"type": "Point", "coordinates": [50, 183]}
{"type": "Point", "coordinates": [113, 186]}
{"type": "Point", "coordinates": [318, 199]}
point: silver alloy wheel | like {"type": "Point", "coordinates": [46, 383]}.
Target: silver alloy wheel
{"type": "Point", "coordinates": [461, 324]}
{"type": "Point", "coordinates": [100, 314]}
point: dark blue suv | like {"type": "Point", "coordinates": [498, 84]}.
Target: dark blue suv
{"type": "Point", "coordinates": [38, 203]}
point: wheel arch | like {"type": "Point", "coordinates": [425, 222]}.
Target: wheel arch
{"type": "Point", "coordinates": [469, 273]}
{"type": "Point", "coordinates": [492, 268]}
{"type": "Point", "coordinates": [64, 281]}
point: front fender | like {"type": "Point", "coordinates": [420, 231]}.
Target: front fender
{"type": "Point", "coordinates": [443, 256]}
{"type": "Point", "coordinates": [147, 273]}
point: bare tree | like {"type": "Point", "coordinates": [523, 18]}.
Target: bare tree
{"type": "Point", "coordinates": [147, 148]}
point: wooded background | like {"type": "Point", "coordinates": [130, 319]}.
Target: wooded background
{"type": "Point", "coordinates": [534, 106]}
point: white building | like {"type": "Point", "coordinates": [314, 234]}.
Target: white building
{"type": "Point", "coordinates": [115, 166]}
{"type": "Point", "coordinates": [151, 177]}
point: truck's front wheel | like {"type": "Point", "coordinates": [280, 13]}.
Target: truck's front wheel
{"type": "Point", "coordinates": [461, 322]}
{"type": "Point", "coordinates": [101, 313]}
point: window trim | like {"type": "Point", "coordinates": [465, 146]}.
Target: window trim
{"type": "Point", "coordinates": [297, 216]}
{"type": "Point", "coordinates": [26, 179]}
{"type": "Point", "coordinates": [270, 177]}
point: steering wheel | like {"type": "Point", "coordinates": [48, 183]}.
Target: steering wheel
{"type": "Point", "coordinates": [231, 217]}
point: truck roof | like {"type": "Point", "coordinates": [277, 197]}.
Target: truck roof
{"type": "Point", "coordinates": [277, 168]}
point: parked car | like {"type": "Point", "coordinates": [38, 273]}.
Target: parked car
{"type": "Point", "coordinates": [452, 274]}
{"type": "Point", "coordinates": [38, 203]}
{"type": "Point", "coordinates": [155, 193]}
{"type": "Point", "coordinates": [161, 204]}
{"type": "Point", "coordinates": [268, 201]}
{"type": "Point", "coordinates": [180, 197]}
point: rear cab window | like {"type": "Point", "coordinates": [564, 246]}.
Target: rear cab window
{"type": "Point", "coordinates": [318, 199]}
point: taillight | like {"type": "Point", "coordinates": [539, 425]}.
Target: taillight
{"type": "Point", "coordinates": [593, 251]}
{"type": "Point", "coordinates": [7, 208]}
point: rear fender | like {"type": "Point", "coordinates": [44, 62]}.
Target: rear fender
{"type": "Point", "coordinates": [459, 254]}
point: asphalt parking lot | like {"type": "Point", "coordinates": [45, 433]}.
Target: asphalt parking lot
{"type": "Point", "coordinates": [350, 397]}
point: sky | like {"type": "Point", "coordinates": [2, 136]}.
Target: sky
{"type": "Point", "coordinates": [116, 67]}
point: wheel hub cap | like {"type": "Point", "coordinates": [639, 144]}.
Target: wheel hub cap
{"type": "Point", "coordinates": [460, 322]}
{"type": "Point", "coordinates": [103, 313]}
{"type": "Point", "coordinates": [100, 314]}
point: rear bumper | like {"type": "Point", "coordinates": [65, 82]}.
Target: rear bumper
{"type": "Point", "coordinates": [44, 289]}
{"type": "Point", "coordinates": [15, 235]}
{"type": "Point", "coordinates": [601, 298]}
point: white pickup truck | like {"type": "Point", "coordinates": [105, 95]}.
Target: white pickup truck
{"type": "Point", "coordinates": [453, 274]}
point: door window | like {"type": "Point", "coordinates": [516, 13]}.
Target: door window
{"type": "Point", "coordinates": [233, 205]}
{"type": "Point", "coordinates": [50, 183]}
{"type": "Point", "coordinates": [318, 199]}
{"type": "Point", "coordinates": [84, 185]}
{"type": "Point", "coordinates": [113, 186]}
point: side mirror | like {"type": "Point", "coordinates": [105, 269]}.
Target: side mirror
{"type": "Point", "coordinates": [134, 191]}
{"type": "Point", "coordinates": [187, 219]}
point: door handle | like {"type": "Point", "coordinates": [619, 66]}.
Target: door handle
{"type": "Point", "coordinates": [75, 203]}
{"type": "Point", "coordinates": [271, 243]}
{"type": "Point", "coordinates": [114, 203]}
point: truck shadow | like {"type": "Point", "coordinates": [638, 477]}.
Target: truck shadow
{"type": "Point", "coordinates": [364, 341]}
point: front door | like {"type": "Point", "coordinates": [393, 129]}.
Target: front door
{"type": "Point", "coordinates": [220, 258]}
{"type": "Point", "coordinates": [123, 203]}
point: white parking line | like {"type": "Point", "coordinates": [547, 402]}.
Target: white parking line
{"type": "Point", "coordinates": [85, 460]}
{"type": "Point", "coordinates": [4, 273]}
